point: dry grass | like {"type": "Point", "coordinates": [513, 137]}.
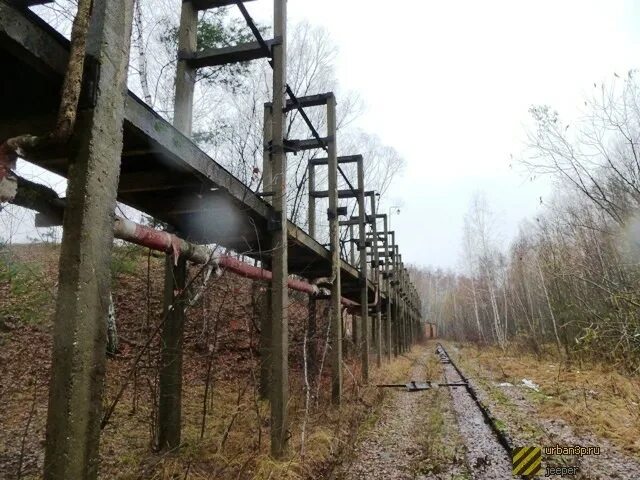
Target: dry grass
{"type": "Point", "coordinates": [235, 444]}
{"type": "Point", "coordinates": [593, 399]}
{"type": "Point", "coordinates": [330, 433]}
{"type": "Point", "coordinates": [442, 449]}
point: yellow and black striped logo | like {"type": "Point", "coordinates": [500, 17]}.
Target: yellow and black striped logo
{"type": "Point", "coordinates": [527, 460]}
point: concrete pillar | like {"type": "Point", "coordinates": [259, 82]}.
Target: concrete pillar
{"type": "Point", "coordinates": [312, 201]}
{"type": "Point", "coordinates": [79, 332]}
{"type": "Point", "coordinates": [352, 246]}
{"type": "Point", "coordinates": [267, 313]}
{"type": "Point", "coordinates": [170, 381]}
{"type": "Point", "coordinates": [279, 392]}
{"type": "Point", "coordinates": [311, 336]}
{"type": "Point", "coordinates": [170, 378]}
{"type": "Point", "coordinates": [364, 293]}
{"type": "Point", "coordinates": [387, 283]}
{"type": "Point", "coordinates": [395, 310]}
{"type": "Point", "coordinates": [407, 303]}
{"type": "Point", "coordinates": [334, 240]}
{"type": "Point", "coordinates": [403, 303]}
{"type": "Point", "coordinates": [376, 261]}
{"type": "Point", "coordinates": [264, 346]}
{"type": "Point", "coordinates": [185, 76]}
{"type": "Point", "coordinates": [312, 318]}
{"type": "Point", "coordinates": [400, 303]}
{"type": "Point", "coordinates": [354, 318]}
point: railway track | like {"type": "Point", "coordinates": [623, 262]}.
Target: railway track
{"type": "Point", "coordinates": [485, 458]}
{"type": "Point", "coordinates": [503, 438]}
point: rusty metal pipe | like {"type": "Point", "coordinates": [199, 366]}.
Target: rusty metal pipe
{"type": "Point", "coordinates": [158, 240]}
{"type": "Point", "coordinates": [256, 273]}
{"type": "Point", "coordinates": [46, 201]}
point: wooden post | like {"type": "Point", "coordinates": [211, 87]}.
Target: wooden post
{"type": "Point", "coordinates": [170, 380]}
{"type": "Point", "coordinates": [334, 239]}
{"type": "Point", "coordinates": [279, 391]}
{"type": "Point", "coordinates": [364, 292]}
{"type": "Point", "coordinates": [84, 279]}
{"type": "Point", "coordinates": [267, 312]}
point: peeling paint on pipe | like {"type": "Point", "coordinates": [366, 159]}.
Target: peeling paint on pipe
{"type": "Point", "coordinates": [166, 242]}
{"type": "Point", "coordinates": [158, 240]}
{"type": "Point", "coordinates": [256, 273]}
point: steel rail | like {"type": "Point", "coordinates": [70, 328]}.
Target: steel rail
{"type": "Point", "coordinates": [503, 438]}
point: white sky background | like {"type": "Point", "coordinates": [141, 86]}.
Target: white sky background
{"type": "Point", "coordinates": [448, 84]}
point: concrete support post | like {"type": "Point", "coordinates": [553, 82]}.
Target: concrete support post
{"type": "Point", "coordinates": [279, 392]}
{"type": "Point", "coordinates": [376, 262]}
{"type": "Point", "coordinates": [399, 297]}
{"type": "Point", "coordinates": [409, 314]}
{"type": "Point", "coordinates": [387, 283]}
{"type": "Point", "coordinates": [354, 318]}
{"type": "Point", "coordinates": [312, 326]}
{"type": "Point", "coordinates": [312, 201]}
{"type": "Point", "coordinates": [352, 252]}
{"type": "Point", "coordinates": [185, 75]}
{"type": "Point", "coordinates": [312, 318]}
{"type": "Point", "coordinates": [414, 325]}
{"type": "Point", "coordinates": [403, 310]}
{"type": "Point", "coordinates": [266, 314]}
{"type": "Point", "coordinates": [396, 298]}
{"type": "Point", "coordinates": [170, 378]}
{"type": "Point", "coordinates": [79, 331]}
{"type": "Point", "coordinates": [364, 293]}
{"type": "Point", "coordinates": [334, 240]}
{"type": "Point", "coordinates": [267, 125]}
{"type": "Point", "coordinates": [393, 296]}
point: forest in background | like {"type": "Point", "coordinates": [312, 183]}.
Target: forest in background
{"type": "Point", "coordinates": [570, 280]}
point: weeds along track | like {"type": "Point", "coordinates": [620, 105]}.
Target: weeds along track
{"type": "Point", "coordinates": [488, 447]}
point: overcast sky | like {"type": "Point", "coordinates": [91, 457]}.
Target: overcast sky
{"type": "Point", "coordinates": [448, 84]}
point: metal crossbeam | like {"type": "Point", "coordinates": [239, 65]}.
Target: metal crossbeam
{"type": "Point", "coordinates": [207, 4]}
{"type": "Point", "coordinates": [308, 101]}
{"type": "Point", "coordinates": [344, 159]}
{"type": "Point", "coordinates": [213, 57]}
{"type": "Point", "coordinates": [341, 194]}
{"type": "Point", "coordinates": [306, 144]}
